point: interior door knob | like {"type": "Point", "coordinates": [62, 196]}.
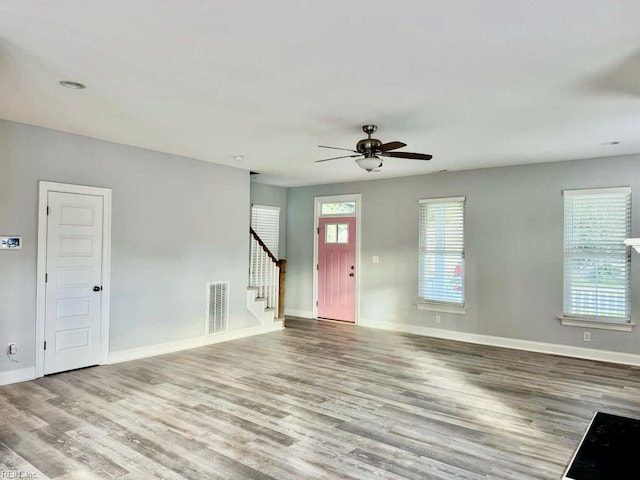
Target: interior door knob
{"type": "Point", "coordinates": [97, 288]}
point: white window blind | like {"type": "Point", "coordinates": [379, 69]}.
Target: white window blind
{"type": "Point", "coordinates": [596, 261]}
{"type": "Point", "coordinates": [441, 268]}
{"type": "Point", "coordinates": [265, 221]}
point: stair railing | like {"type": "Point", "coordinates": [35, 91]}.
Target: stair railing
{"type": "Point", "coordinates": [267, 274]}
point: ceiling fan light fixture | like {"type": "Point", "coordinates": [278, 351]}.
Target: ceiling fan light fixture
{"type": "Point", "coordinates": [369, 163]}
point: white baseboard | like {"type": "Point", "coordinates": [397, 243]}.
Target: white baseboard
{"type": "Point", "coordinates": [18, 375]}
{"type": "Point", "coordinates": [298, 313]}
{"type": "Point", "coordinates": [277, 324]}
{"type": "Point", "coordinates": [514, 343]}
{"type": "Point", "coordinates": [187, 343]}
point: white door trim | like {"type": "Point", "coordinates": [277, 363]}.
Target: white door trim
{"type": "Point", "coordinates": [105, 193]}
{"type": "Point", "coordinates": [318, 201]}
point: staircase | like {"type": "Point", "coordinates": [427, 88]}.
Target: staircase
{"type": "Point", "coordinates": [265, 293]}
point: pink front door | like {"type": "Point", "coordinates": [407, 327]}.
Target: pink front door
{"type": "Point", "coordinates": [337, 268]}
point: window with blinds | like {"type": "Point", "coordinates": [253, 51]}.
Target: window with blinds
{"type": "Point", "coordinates": [441, 268]}
{"type": "Point", "coordinates": [596, 261]}
{"type": "Point", "coordinates": [265, 221]}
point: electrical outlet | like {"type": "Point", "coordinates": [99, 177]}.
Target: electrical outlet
{"type": "Point", "coordinates": [12, 349]}
{"type": "Point", "coordinates": [201, 322]}
{"type": "Point", "coordinates": [587, 336]}
{"type": "Point", "coordinates": [438, 319]}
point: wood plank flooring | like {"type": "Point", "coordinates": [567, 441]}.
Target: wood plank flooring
{"type": "Point", "coordinates": [318, 400]}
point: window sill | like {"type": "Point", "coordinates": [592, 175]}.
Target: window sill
{"type": "Point", "coordinates": [583, 322]}
{"type": "Point", "coordinates": [434, 307]}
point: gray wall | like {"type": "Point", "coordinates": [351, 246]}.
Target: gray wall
{"type": "Point", "coordinates": [275, 197]}
{"type": "Point", "coordinates": [177, 223]}
{"type": "Point", "coordinates": [514, 248]}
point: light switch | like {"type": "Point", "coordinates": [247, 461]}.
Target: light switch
{"type": "Point", "coordinates": [376, 259]}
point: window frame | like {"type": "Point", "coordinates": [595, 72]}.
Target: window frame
{"type": "Point", "coordinates": [336, 231]}
{"type": "Point", "coordinates": [433, 304]}
{"type": "Point", "coordinates": [337, 202]}
{"type": "Point", "coordinates": [621, 323]}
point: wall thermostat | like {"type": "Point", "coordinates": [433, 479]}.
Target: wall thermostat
{"type": "Point", "coordinates": [11, 242]}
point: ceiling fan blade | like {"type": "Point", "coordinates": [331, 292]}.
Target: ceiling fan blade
{"type": "Point", "coordinates": [409, 155]}
{"type": "Point", "coordinates": [338, 148]}
{"type": "Point", "coordinates": [336, 158]}
{"type": "Point", "coordinates": [385, 147]}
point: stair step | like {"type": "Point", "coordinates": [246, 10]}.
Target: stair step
{"type": "Point", "coordinates": [258, 306]}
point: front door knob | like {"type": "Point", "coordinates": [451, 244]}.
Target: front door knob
{"type": "Point", "coordinates": [351, 274]}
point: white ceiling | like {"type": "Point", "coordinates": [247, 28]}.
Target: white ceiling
{"type": "Point", "coordinates": [475, 83]}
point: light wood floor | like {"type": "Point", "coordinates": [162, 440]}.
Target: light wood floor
{"type": "Point", "coordinates": [318, 400]}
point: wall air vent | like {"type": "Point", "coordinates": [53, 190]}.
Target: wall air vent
{"type": "Point", "coordinates": [218, 301]}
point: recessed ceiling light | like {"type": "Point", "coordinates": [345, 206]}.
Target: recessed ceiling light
{"type": "Point", "coordinates": [237, 158]}
{"type": "Point", "coordinates": [73, 85]}
{"type": "Point", "coordinates": [610, 143]}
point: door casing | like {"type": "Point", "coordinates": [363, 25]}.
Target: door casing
{"type": "Point", "coordinates": [105, 193]}
{"type": "Point", "coordinates": [318, 201]}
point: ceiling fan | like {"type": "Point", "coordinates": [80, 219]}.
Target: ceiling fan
{"type": "Point", "coordinates": [371, 149]}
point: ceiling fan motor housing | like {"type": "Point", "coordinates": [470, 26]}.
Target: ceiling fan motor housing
{"type": "Point", "coordinates": [367, 145]}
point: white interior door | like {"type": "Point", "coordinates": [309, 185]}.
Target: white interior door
{"type": "Point", "coordinates": [74, 281]}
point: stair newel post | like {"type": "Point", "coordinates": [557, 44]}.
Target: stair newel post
{"type": "Point", "coordinates": [281, 283]}
{"type": "Point", "coordinates": [274, 286]}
